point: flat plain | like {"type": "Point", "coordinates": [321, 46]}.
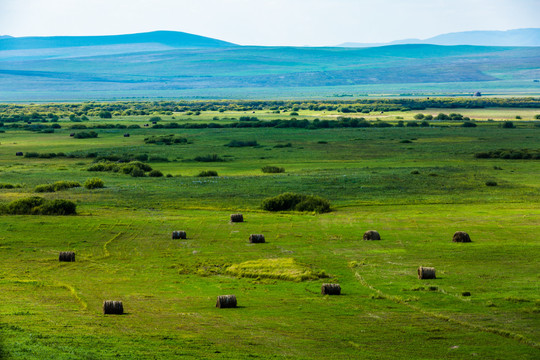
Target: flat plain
{"type": "Point", "coordinates": [415, 185]}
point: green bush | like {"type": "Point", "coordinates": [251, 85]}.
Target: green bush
{"type": "Point", "coordinates": [272, 169]}
{"type": "Point", "coordinates": [9, 186]}
{"type": "Point", "coordinates": [468, 124]}
{"type": "Point", "coordinates": [491, 183]}
{"type": "Point", "coordinates": [44, 188]}
{"type": "Point", "coordinates": [166, 140]}
{"type": "Point", "coordinates": [86, 135]}
{"type": "Point", "coordinates": [507, 125]}
{"type": "Point", "coordinates": [207, 173]}
{"type": "Point", "coordinates": [57, 186]}
{"type": "Point", "coordinates": [296, 202]}
{"type": "Point", "coordinates": [39, 206]}
{"type": "Point", "coordinates": [209, 158]}
{"type": "Point", "coordinates": [94, 183]}
{"type": "Point", "coordinates": [155, 173]}
{"type": "Point", "coordinates": [239, 143]}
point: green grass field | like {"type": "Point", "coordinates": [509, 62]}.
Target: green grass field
{"type": "Point", "coordinates": [416, 194]}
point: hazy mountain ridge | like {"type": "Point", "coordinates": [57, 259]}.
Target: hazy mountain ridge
{"type": "Point", "coordinates": [517, 37]}
{"type": "Point", "coordinates": [167, 61]}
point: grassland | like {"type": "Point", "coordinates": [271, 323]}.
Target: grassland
{"type": "Point", "coordinates": [415, 193]}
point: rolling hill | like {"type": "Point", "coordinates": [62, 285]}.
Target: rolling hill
{"type": "Point", "coordinates": [157, 63]}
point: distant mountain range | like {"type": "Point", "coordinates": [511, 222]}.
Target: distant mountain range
{"type": "Point", "coordinates": [518, 37]}
{"type": "Point", "coordinates": [164, 61]}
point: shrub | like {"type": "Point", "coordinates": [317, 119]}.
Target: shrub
{"type": "Point", "coordinates": [297, 202]}
{"type": "Point", "coordinates": [272, 169]}
{"type": "Point", "coordinates": [419, 116]}
{"type": "Point", "coordinates": [9, 186]}
{"type": "Point", "coordinates": [415, 172]}
{"type": "Point", "coordinates": [166, 140]}
{"type": "Point", "coordinates": [155, 173]}
{"type": "Point", "coordinates": [158, 159]}
{"type": "Point", "coordinates": [507, 125]}
{"type": "Point", "coordinates": [468, 124]}
{"type": "Point", "coordinates": [209, 158]}
{"type": "Point", "coordinates": [57, 207]}
{"type": "Point", "coordinates": [207, 173]}
{"type": "Point", "coordinates": [86, 135]}
{"type": "Point", "coordinates": [281, 146]}
{"type": "Point", "coordinates": [239, 143]}
{"type": "Point", "coordinates": [39, 206]}
{"type": "Point", "coordinates": [491, 183]}
{"type": "Point", "coordinates": [94, 183]}
{"type": "Point", "coordinates": [44, 188]}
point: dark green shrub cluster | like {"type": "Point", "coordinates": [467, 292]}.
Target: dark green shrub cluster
{"type": "Point", "coordinates": [57, 186]}
{"type": "Point", "coordinates": [240, 143]}
{"type": "Point", "coordinates": [133, 168]}
{"type": "Point", "coordinates": [281, 146]}
{"type": "Point", "coordinates": [158, 159]}
{"type": "Point", "coordinates": [39, 206]}
{"type": "Point", "coordinates": [94, 183]}
{"type": "Point", "coordinates": [491, 183]}
{"type": "Point", "coordinates": [296, 202]}
{"type": "Point", "coordinates": [86, 135]}
{"type": "Point", "coordinates": [155, 173]}
{"type": "Point", "coordinates": [9, 186]}
{"type": "Point", "coordinates": [507, 125]}
{"type": "Point", "coordinates": [468, 124]}
{"type": "Point", "coordinates": [523, 154]}
{"type": "Point", "coordinates": [123, 158]}
{"type": "Point", "coordinates": [33, 154]}
{"type": "Point", "coordinates": [207, 173]}
{"type": "Point", "coordinates": [209, 158]}
{"type": "Point", "coordinates": [166, 140]}
{"type": "Point", "coordinates": [272, 169]}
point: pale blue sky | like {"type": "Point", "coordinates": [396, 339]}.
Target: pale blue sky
{"type": "Point", "coordinates": [268, 22]}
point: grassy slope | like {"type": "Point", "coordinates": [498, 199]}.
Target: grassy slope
{"type": "Point", "coordinates": [124, 251]}
{"type": "Point", "coordinates": [157, 73]}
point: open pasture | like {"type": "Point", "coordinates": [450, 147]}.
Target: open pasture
{"type": "Point", "coordinates": [415, 185]}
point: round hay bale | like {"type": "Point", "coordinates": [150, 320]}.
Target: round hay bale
{"type": "Point", "coordinates": [372, 235]}
{"type": "Point", "coordinates": [426, 272]}
{"type": "Point", "coordinates": [237, 218]}
{"type": "Point", "coordinates": [331, 289]}
{"type": "Point", "coordinates": [179, 235]}
{"type": "Point", "coordinates": [19, 153]}
{"type": "Point", "coordinates": [126, 135]}
{"type": "Point", "coordinates": [461, 236]}
{"type": "Point", "coordinates": [111, 307]}
{"type": "Point", "coordinates": [256, 238]}
{"type": "Point", "coordinates": [67, 256]}
{"type": "Point", "coordinates": [226, 301]}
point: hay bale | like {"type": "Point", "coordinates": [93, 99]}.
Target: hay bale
{"type": "Point", "coordinates": [461, 236]}
{"type": "Point", "coordinates": [126, 135]}
{"type": "Point", "coordinates": [331, 289]}
{"type": "Point", "coordinates": [237, 218]}
{"type": "Point", "coordinates": [179, 235]}
{"type": "Point", "coordinates": [67, 256]}
{"type": "Point", "coordinates": [256, 238]}
{"type": "Point", "coordinates": [426, 272]}
{"type": "Point", "coordinates": [226, 301]}
{"type": "Point", "coordinates": [372, 235]}
{"type": "Point", "coordinates": [112, 307]}
{"type": "Point", "coordinates": [19, 153]}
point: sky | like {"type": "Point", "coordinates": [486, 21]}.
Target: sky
{"type": "Point", "coordinates": [268, 22]}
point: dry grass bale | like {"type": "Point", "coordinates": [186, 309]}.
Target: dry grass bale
{"type": "Point", "coordinates": [113, 307]}
{"type": "Point", "coordinates": [256, 238]}
{"type": "Point", "coordinates": [68, 256]}
{"type": "Point", "coordinates": [237, 218]}
{"type": "Point", "coordinates": [126, 135]}
{"type": "Point", "coordinates": [372, 235]}
{"type": "Point", "coordinates": [426, 272]}
{"type": "Point", "coordinates": [19, 153]}
{"type": "Point", "coordinates": [226, 301]}
{"type": "Point", "coordinates": [461, 236]}
{"type": "Point", "coordinates": [179, 235]}
{"type": "Point", "coordinates": [331, 289]}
